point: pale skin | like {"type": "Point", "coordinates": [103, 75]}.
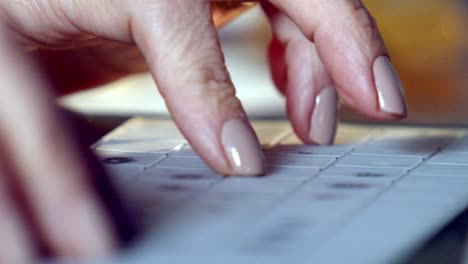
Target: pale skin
{"type": "Point", "coordinates": [41, 168]}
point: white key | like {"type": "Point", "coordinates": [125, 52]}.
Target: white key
{"type": "Point", "coordinates": [288, 173]}
{"type": "Point", "coordinates": [122, 174]}
{"type": "Point", "coordinates": [460, 145]}
{"type": "Point", "coordinates": [455, 158]}
{"type": "Point", "coordinates": [146, 129]}
{"type": "Point", "coordinates": [301, 161]}
{"type": "Point", "coordinates": [140, 145]}
{"type": "Point", "coordinates": [119, 158]}
{"type": "Point", "coordinates": [379, 161]}
{"type": "Point", "coordinates": [433, 183]}
{"type": "Point", "coordinates": [321, 205]}
{"type": "Point", "coordinates": [175, 176]}
{"type": "Point", "coordinates": [145, 195]}
{"type": "Point", "coordinates": [442, 170]}
{"type": "Point", "coordinates": [185, 151]}
{"type": "Point", "coordinates": [256, 185]}
{"type": "Point", "coordinates": [355, 187]}
{"type": "Point", "coordinates": [281, 234]}
{"type": "Point", "coordinates": [411, 197]}
{"type": "Point", "coordinates": [365, 173]}
{"type": "Point", "coordinates": [184, 163]}
{"type": "Point", "coordinates": [422, 151]}
{"type": "Point", "coordinates": [337, 150]}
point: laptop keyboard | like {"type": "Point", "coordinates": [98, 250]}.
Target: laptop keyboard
{"type": "Point", "coordinates": [372, 200]}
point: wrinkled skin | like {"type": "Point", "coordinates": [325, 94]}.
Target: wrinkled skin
{"type": "Point", "coordinates": [57, 46]}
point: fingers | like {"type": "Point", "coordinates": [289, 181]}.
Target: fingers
{"type": "Point", "coordinates": [13, 229]}
{"type": "Point", "coordinates": [184, 55]}
{"type": "Point", "coordinates": [49, 169]}
{"type": "Point", "coordinates": [351, 48]}
{"type": "Point", "coordinates": [298, 71]}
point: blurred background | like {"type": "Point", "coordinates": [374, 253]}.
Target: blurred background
{"type": "Point", "coordinates": [427, 40]}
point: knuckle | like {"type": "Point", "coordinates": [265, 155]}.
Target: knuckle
{"type": "Point", "coordinates": [369, 32]}
{"type": "Point", "coordinates": [208, 86]}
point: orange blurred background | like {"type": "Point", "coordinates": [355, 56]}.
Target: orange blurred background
{"type": "Point", "coordinates": [427, 40]}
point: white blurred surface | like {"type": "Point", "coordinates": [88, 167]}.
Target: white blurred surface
{"type": "Point", "coordinates": [244, 42]}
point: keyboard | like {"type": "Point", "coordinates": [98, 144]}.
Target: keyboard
{"type": "Point", "coordinates": [375, 197]}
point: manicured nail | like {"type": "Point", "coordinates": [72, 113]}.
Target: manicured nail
{"type": "Point", "coordinates": [242, 148]}
{"type": "Point", "coordinates": [390, 90]}
{"type": "Point", "coordinates": [324, 118]}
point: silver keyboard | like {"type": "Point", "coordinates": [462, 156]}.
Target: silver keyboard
{"type": "Point", "coordinates": [374, 199]}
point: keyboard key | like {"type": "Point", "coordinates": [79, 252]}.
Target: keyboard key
{"type": "Point", "coordinates": [408, 197]}
{"type": "Point", "coordinates": [146, 129]}
{"type": "Point", "coordinates": [299, 161]}
{"type": "Point", "coordinates": [365, 173]}
{"type": "Point", "coordinates": [183, 163]}
{"type": "Point", "coordinates": [460, 145]}
{"type": "Point", "coordinates": [337, 150]}
{"type": "Point", "coordinates": [433, 183]}
{"type": "Point", "coordinates": [281, 235]}
{"type": "Point", "coordinates": [379, 161]}
{"type": "Point", "coordinates": [122, 174]}
{"type": "Point", "coordinates": [118, 158]}
{"type": "Point", "coordinates": [442, 170]}
{"type": "Point", "coordinates": [140, 145]}
{"type": "Point", "coordinates": [185, 151]}
{"type": "Point", "coordinates": [289, 173]}
{"type": "Point", "coordinates": [341, 186]}
{"type": "Point", "coordinates": [125, 166]}
{"type": "Point", "coordinates": [256, 185]}
{"type": "Point", "coordinates": [178, 176]}
{"type": "Point", "coordinates": [422, 151]}
{"type": "Point", "coordinates": [454, 158]}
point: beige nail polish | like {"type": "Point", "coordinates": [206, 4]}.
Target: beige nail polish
{"type": "Point", "coordinates": [242, 148]}
{"type": "Point", "coordinates": [389, 88]}
{"type": "Point", "coordinates": [324, 118]}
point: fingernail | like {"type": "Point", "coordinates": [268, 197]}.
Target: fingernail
{"type": "Point", "coordinates": [324, 118]}
{"type": "Point", "coordinates": [242, 148]}
{"type": "Point", "coordinates": [390, 90]}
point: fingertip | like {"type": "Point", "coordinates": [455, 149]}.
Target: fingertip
{"type": "Point", "coordinates": [242, 148]}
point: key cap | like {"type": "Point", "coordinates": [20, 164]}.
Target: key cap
{"type": "Point", "coordinates": [124, 166]}
{"type": "Point", "coordinates": [460, 145]}
{"type": "Point", "coordinates": [140, 145]}
{"type": "Point", "coordinates": [358, 187]}
{"type": "Point", "coordinates": [420, 151]}
{"type": "Point", "coordinates": [185, 151]}
{"type": "Point", "coordinates": [379, 161]}
{"type": "Point", "coordinates": [298, 161]}
{"type": "Point", "coordinates": [289, 173]}
{"type": "Point", "coordinates": [442, 170]}
{"type": "Point", "coordinates": [433, 183]}
{"type": "Point", "coordinates": [337, 151]}
{"type": "Point", "coordinates": [256, 185]}
{"type": "Point", "coordinates": [454, 158]}
{"type": "Point", "coordinates": [184, 163]}
{"type": "Point", "coordinates": [119, 158]}
{"type": "Point", "coordinates": [176, 176]}
{"type": "Point", "coordinates": [365, 173]}
{"type": "Point", "coordinates": [139, 129]}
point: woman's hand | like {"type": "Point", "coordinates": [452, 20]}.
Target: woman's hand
{"type": "Point", "coordinates": [320, 48]}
